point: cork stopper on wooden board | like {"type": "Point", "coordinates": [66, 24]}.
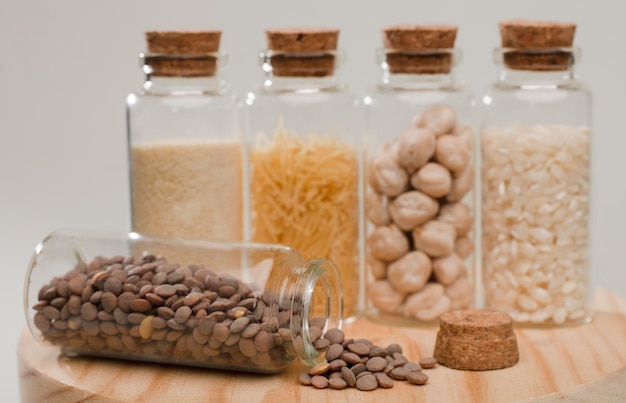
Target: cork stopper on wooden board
{"type": "Point", "coordinates": [476, 340]}
{"type": "Point", "coordinates": [183, 53]}
{"type": "Point", "coordinates": [542, 45]}
{"type": "Point", "coordinates": [302, 52]}
{"type": "Point", "coordinates": [416, 49]}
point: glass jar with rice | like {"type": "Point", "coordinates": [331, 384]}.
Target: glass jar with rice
{"type": "Point", "coordinates": [535, 147]}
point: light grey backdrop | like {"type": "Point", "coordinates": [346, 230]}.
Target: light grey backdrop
{"type": "Point", "coordinates": [67, 66]}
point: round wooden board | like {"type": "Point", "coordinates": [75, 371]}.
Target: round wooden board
{"type": "Point", "coordinates": [585, 363]}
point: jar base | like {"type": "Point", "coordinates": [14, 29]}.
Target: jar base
{"type": "Point", "coordinates": [551, 324]}
{"type": "Point", "coordinates": [396, 320]}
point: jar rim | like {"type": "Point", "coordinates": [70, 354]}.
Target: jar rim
{"type": "Point", "coordinates": [323, 270]}
{"type": "Point", "coordinates": [339, 54]}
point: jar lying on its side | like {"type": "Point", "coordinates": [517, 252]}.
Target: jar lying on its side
{"type": "Point", "coordinates": [238, 306]}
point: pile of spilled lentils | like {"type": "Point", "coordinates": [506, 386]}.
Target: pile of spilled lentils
{"type": "Point", "coordinates": [359, 363]}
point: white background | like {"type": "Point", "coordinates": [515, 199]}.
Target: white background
{"type": "Point", "coordinates": [67, 66]}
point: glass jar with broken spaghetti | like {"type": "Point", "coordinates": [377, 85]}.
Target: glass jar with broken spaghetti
{"type": "Point", "coordinates": [419, 207]}
{"type": "Point", "coordinates": [303, 159]}
{"type": "Point", "coordinates": [214, 304]}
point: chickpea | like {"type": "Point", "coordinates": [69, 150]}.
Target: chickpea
{"type": "Point", "coordinates": [385, 297]}
{"type": "Point", "coordinates": [464, 247]}
{"type": "Point", "coordinates": [427, 304]}
{"type": "Point", "coordinates": [457, 214]}
{"type": "Point", "coordinates": [386, 175]}
{"type": "Point", "coordinates": [376, 209]}
{"type": "Point", "coordinates": [462, 184]}
{"type": "Point", "coordinates": [415, 148]}
{"type": "Point", "coordinates": [433, 180]}
{"type": "Point", "coordinates": [441, 119]}
{"type": "Point", "coordinates": [410, 273]}
{"type": "Point", "coordinates": [448, 268]}
{"type": "Point", "coordinates": [435, 311]}
{"type": "Point", "coordinates": [388, 243]}
{"type": "Point", "coordinates": [466, 133]}
{"type": "Point", "coordinates": [460, 293]}
{"type": "Point", "coordinates": [452, 152]}
{"type": "Point", "coordinates": [411, 209]}
{"type": "Point", "coordinates": [435, 238]}
{"type": "Point", "coordinates": [377, 267]}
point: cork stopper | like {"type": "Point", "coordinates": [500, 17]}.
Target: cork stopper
{"type": "Point", "coordinates": [476, 340]}
{"type": "Point", "coordinates": [183, 54]}
{"type": "Point", "coordinates": [302, 52]}
{"type": "Point", "coordinates": [537, 45]}
{"type": "Point", "coordinates": [419, 49]}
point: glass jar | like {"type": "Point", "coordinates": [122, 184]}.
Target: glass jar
{"type": "Point", "coordinates": [225, 305]}
{"type": "Point", "coordinates": [184, 141]}
{"type": "Point", "coordinates": [303, 154]}
{"type": "Point", "coordinates": [535, 146]}
{"type": "Point", "coordinates": [419, 205]}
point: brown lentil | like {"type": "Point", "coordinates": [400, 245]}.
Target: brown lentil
{"type": "Point", "coordinates": [336, 365]}
{"type": "Point", "coordinates": [334, 336]}
{"type": "Point", "coordinates": [334, 351]}
{"type": "Point", "coordinates": [348, 376]}
{"type": "Point", "coordinates": [376, 364]}
{"type": "Point", "coordinates": [359, 348]}
{"type": "Point", "coordinates": [412, 367]}
{"type": "Point", "coordinates": [399, 373]}
{"type": "Point", "coordinates": [362, 374]}
{"type": "Point", "coordinates": [358, 368]}
{"type": "Point", "coordinates": [351, 358]}
{"type": "Point", "coordinates": [383, 380]}
{"type": "Point", "coordinates": [417, 378]}
{"type": "Point", "coordinates": [304, 378]}
{"type": "Point", "coordinates": [428, 362]}
{"type": "Point", "coordinates": [334, 375]}
{"type": "Point", "coordinates": [337, 383]}
{"type": "Point", "coordinates": [319, 382]}
{"type": "Point", "coordinates": [320, 368]}
{"type": "Point", "coordinates": [321, 344]}
{"type": "Point", "coordinates": [367, 383]}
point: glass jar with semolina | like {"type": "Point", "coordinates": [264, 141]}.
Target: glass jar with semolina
{"type": "Point", "coordinates": [303, 154]}
{"type": "Point", "coordinates": [535, 175]}
{"type": "Point", "coordinates": [184, 141]}
{"type": "Point", "coordinates": [214, 304]}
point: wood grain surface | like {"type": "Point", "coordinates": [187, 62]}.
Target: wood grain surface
{"type": "Point", "coordinates": [585, 363]}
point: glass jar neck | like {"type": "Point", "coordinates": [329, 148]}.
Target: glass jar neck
{"type": "Point", "coordinates": [301, 73]}
{"type": "Point", "coordinates": [417, 70]}
{"type": "Point", "coordinates": [157, 85]}
{"type": "Point", "coordinates": [416, 82]}
{"type": "Point", "coordinates": [536, 68]}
